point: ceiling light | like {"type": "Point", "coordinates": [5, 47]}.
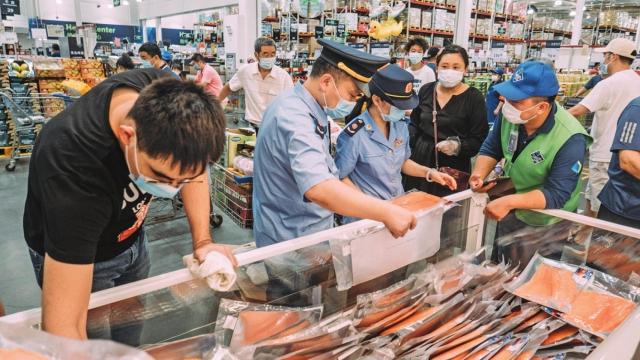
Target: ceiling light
{"type": "Point", "coordinates": [584, 8]}
{"type": "Point", "coordinates": [58, 2]}
{"type": "Point", "coordinates": [557, 3]}
{"type": "Point", "coordinates": [572, 13]}
{"type": "Point", "coordinates": [125, 3]}
{"type": "Point", "coordinates": [530, 11]}
{"type": "Point", "coordinates": [110, 6]}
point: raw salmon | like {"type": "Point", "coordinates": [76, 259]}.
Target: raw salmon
{"type": "Point", "coordinates": [261, 325]}
{"type": "Point", "coordinates": [462, 349]}
{"type": "Point", "coordinates": [468, 337]}
{"type": "Point", "coordinates": [20, 354]}
{"type": "Point", "coordinates": [509, 350]}
{"type": "Point", "coordinates": [526, 355]}
{"type": "Point", "coordinates": [375, 317]}
{"type": "Point", "coordinates": [478, 354]}
{"type": "Point", "coordinates": [416, 201]}
{"type": "Point", "coordinates": [599, 313]}
{"type": "Point", "coordinates": [550, 286]}
{"type": "Point", "coordinates": [539, 316]}
{"type": "Point", "coordinates": [416, 317]}
{"type": "Point", "coordinates": [560, 334]}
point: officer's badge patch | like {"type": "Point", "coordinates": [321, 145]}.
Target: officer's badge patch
{"type": "Point", "coordinates": [537, 157]}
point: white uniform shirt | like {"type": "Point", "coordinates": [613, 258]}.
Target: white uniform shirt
{"type": "Point", "coordinates": [607, 99]}
{"type": "Point", "coordinates": [259, 92]}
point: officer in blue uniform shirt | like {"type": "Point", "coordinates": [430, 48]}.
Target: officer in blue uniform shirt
{"type": "Point", "coordinates": [373, 150]}
{"type": "Point", "coordinates": [493, 98]}
{"type": "Point", "coordinates": [620, 197]}
{"type": "Point", "coordinates": [296, 189]}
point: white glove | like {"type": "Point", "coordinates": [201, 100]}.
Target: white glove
{"type": "Point", "coordinates": [216, 270]}
{"type": "Point", "coordinates": [450, 147]}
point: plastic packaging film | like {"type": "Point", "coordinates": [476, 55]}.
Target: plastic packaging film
{"type": "Point", "coordinates": [19, 343]}
{"type": "Point", "coordinates": [358, 255]}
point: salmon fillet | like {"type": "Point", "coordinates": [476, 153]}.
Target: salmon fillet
{"type": "Point", "coordinates": [560, 334]}
{"type": "Point", "coordinates": [462, 349]}
{"type": "Point", "coordinates": [261, 325]}
{"type": "Point", "coordinates": [539, 316]}
{"type": "Point", "coordinates": [416, 201]}
{"type": "Point", "coordinates": [416, 317]}
{"type": "Point", "coordinates": [465, 338]}
{"type": "Point", "coordinates": [550, 286]}
{"type": "Point", "coordinates": [599, 312]}
{"type": "Point", "coordinates": [375, 317]}
{"type": "Point", "coordinates": [526, 355]}
{"type": "Point", "coordinates": [20, 354]}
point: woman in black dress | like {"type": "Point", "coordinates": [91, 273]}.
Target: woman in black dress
{"type": "Point", "coordinates": [461, 121]}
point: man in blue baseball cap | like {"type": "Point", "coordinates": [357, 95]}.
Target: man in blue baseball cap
{"type": "Point", "coordinates": [542, 145]}
{"type": "Point", "coordinates": [373, 150]}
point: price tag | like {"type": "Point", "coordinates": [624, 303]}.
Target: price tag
{"type": "Point", "coordinates": [331, 22]}
{"type": "Point", "coordinates": [319, 32]}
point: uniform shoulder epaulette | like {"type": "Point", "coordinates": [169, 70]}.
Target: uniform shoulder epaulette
{"type": "Point", "coordinates": [354, 127]}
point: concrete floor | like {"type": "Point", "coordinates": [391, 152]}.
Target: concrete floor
{"type": "Point", "coordinates": [168, 242]}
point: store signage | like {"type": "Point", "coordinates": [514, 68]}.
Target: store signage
{"type": "Point", "coordinates": [276, 34]}
{"type": "Point", "coordinates": [293, 33]}
{"type": "Point", "coordinates": [497, 44]}
{"type": "Point", "coordinates": [8, 38]}
{"type": "Point", "coordinates": [502, 31]}
{"type": "Point", "coordinates": [331, 22]}
{"type": "Point", "coordinates": [38, 33]}
{"type": "Point", "coordinates": [9, 8]}
{"type": "Point", "coordinates": [177, 36]}
{"type": "Point", "coordinates": [76, 48]}
{"type": "Point", "coordinates": [382, 49]}
{"type": "Point", "coordinates": [319, 32]}
{"type": "Point", "coordinates": [553, 44]}
{"type": "Point", "coordinates": [55, 31]}
{"type": "Point", "coordinates": [341, 31]}
{"type": "Point", "coordinates": [116, 3]}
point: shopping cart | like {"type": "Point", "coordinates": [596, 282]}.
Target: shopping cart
{"type": "Point", "coordinates": [587, 119]}
{"type": "Point", "coordinates": [232, 193]}
{"type": "Point", "coordinates": [27, 113]}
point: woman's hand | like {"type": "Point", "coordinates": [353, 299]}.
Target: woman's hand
{"type": "Point", "coordinates": [442, 179]}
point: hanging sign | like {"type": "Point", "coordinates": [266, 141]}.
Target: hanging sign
{"type": "Point", "coordinates": [76, 48]}
{"type": "Point", "coordinates": [341, 31]}
{"type": "Point", "coordinates": [55, 31]}
{"type": "Point", "coordinates": [319, 32]}
{"type": "Point", "coordinates": [293, 32]}
{"type": "Point", "coordinates": [38, 33]}
{"type": "Point", "coordinates": [116, 3]}
{"type": "Point", "coordinates": [9, 8]}
{"type": "Point", "coordinates": [277, 34]}
{"type": "Point", "coordinates": [382, 49]}
{"type": "Point", "coordinates": [331, 22]}
{"type": "Point", "coordinates": [497, 44]}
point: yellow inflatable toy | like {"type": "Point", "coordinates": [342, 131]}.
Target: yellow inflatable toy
{"type": "Point", "coordinates": [384, 30]}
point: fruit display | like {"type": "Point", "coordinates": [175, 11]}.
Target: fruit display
{"type": "Point", "coordinates": [50, 86]}
{"type": "Point", "coordinates": [71, 69]}
{"type": "Point", "coordinates": [75, 87]}
{"type": "Point", "coordinates": [48, 69]}
{"type": "Point", "coordinates": [92, 72]}
{"type": "Point", "coordinates": [20, 68]}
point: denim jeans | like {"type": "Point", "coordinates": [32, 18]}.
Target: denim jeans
{"type": "Point", "coordinates": [131, 265]}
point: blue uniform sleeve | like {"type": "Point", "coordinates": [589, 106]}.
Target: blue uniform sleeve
{"type": "Point", "coordinates": [492, 102]}
{"type": "Point", "coordinates": [627, 133]}
{"type": "Point", "coordinates": [346, 154]}
{"type": "Point", "coordinates": [407, 142]}
{"type": "Point", "coordinates": [492, 145]}
{"type": "Point", "coordinates": [307, 152]}
{"type": "Point", "coordinates": [565, 172]}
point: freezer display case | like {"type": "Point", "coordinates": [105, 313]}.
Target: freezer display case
{"type": "Point", "coordinates": [456, 287]}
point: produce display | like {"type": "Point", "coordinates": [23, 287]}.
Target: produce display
{"type": "Point", "coordinates": [49, 69]}
{"type": "Point", "coordinates": [71, 69]}
{"type": "Point", "coordinates": [20, 68]}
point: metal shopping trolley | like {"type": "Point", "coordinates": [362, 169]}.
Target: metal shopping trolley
{"type": "Point", "coordinates": [232, 193]}
{"type": "Point", "coordinates": [587, 119]}
{"type": "Point", "coordinates": [27, 113]}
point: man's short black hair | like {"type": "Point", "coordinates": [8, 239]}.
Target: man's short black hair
{"type": "Point", "coordinates": [420, 41]}
{"type": "Point", "coordinates": [432, 52]}
{"type": "Point", "coordinates": [151, 49]}
{"type": "Point", "coordinates": [548, 99]}
{"type": "Point", "coordinates": [197, 58]}
{"type": "Point", "coordinates": [125, 62]}
{"type": "Point", "coordinates": [55, 47]}
{"type": "Point", "coordinates": [626, 60]}
{"type": "Point", "coordinates": [321, 67]}
{"type": "Point", "coordinates": [179, 120]}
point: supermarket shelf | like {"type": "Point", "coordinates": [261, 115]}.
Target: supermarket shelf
{"type": "Point", "coordinates": [488, 14]}
{"type": "Point", "coordinates": [613, 28]}
{"type": "Point", "coordinates": [506, 40]}
{"type": "Point", "coordinates": [306, 35]}
{"type": "Point", "coordinates": [359, 10]}
{"type": "Point", "coordinates": [270, 19]}
{"type": "Point", "coordinates": [429, 4]}
{"type": "Point", "coordinates": [358, 33]}
{"type": "Point", "coordinates": [558, 32]}
{"type": "Point", "coordinates": [431, 32]}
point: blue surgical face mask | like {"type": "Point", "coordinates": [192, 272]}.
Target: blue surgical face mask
{"type": "Point", "coordinates": [394, 115]}
{"type": "Point", "coordinates": [146, 64]}
{"type": "Point", "coordinates": [196, 66]}
{"type": "Point", "coordinates": [267, 63]}
{"type": "Point", "coordinates": [341, 110]}
{"type": "Point", "coordinates": [604, 70]}
{"type": "Point", "coordinates": [147, 185]}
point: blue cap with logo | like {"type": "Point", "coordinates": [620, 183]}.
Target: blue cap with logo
{"type": "Point", "coordinates": [166, 56]}
{"type": "Point", "coordinates": [394, 85]}
{"type": "Point", "coordinates": [531, 79]}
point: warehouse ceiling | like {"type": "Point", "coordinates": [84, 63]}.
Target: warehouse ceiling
{"type": "Point", "coordinates": [563, 6]}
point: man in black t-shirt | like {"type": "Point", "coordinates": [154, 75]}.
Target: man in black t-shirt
{"type": "Point", "coordinates": [93, 172]}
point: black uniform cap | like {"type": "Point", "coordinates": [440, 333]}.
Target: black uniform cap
{"type": "Point", "coordinates": [357, 64]}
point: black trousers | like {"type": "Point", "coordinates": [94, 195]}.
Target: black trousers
{"type": "Point", "coordinates": [607, 215]}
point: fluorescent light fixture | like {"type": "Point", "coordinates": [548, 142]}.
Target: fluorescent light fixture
{"type": "Point", "coordinates": [125, 3]}
{"type": "Point", "coordinates": [58, 2]}
{"type": "Point", "coordinates": [110, 6]}
{"type": "Point", "coordinates": [138, 0]}
{"type": "Point", "coordinates": [572, 13]}
{"type": "Point", "coordinates": [557, 3]}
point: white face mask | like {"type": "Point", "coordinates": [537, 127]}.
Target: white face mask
{"type": "Point", "coordinates": [450, 78]}
{"type": "Point", "coordinates": [513, 115]}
